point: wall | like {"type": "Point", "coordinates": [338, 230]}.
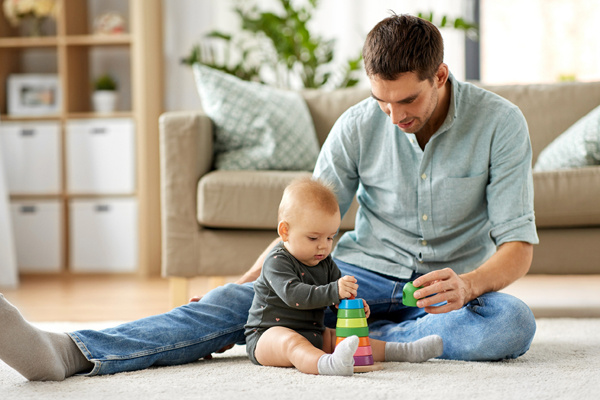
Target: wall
{"type": "Point", "coordinates": [527, 41]}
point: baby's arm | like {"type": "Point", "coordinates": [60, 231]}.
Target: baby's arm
{"type": "Point", "coordinates": [280, 276]}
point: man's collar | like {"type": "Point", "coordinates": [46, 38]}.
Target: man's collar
{"type": "Point", "coordinates": [452, 111]}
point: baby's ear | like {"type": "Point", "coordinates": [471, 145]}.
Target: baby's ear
{"type": "Point", "coordinates": [283, 230]}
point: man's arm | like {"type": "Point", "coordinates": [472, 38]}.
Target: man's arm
{"type": "Point", "coordinates": [509, 263]}
{"type": "Point", "coordinates": [254, 272]}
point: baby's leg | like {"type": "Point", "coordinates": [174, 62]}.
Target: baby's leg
{"type": "Point", "coordinates": [417, 351]}
{"type": "Point", "coordinates": [329, 338]}
{"type": "Point", "coordinates": [284, 347]}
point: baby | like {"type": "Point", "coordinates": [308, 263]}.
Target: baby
{"type": "Point", "coordinates": [298, 281]}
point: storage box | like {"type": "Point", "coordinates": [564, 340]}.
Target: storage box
{"type": "Point", "coordinates": [100, 156]}
{"type": "Point", "coordinates": [103, 235]}
{"type": "Point", "coordinates": [39, 235]}
{"type": "Point", "coordinates": [32, 154]}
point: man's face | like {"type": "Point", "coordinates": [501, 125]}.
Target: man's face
{"type": "Point", "coordinates": [408, 101]}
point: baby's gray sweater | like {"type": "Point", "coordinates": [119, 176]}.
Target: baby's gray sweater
{"type": "Point", "coordinates": [291, 294]}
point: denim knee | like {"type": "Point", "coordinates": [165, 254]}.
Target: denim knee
{"type": "Point", "coordinates": [511, 325]}
{"type": "Point", "coordinates": [238, 296]}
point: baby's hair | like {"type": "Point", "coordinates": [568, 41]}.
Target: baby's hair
{"type": "Point", "coordinates": [308, 191]}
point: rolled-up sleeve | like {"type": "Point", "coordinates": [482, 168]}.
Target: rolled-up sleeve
{"type": "Point", "coordinates": [510, 189]}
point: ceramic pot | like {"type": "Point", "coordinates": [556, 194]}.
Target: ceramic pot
{"type": "Point", "coordinates": [104, 101]}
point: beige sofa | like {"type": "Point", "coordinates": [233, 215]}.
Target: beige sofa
{"type": "Point", "coordinates": [216, 223]}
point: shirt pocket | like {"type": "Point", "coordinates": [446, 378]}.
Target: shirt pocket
{"type": "Point", "coordinates": [463, 199]}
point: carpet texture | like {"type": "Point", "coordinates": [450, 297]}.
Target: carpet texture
{"type": "Point", "coordinates": [563, 363]}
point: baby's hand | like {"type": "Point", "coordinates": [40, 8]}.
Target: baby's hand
{"type": "Point", "coordinates": [367, 309]}
{"type": "Point", "coordinates": [347, 286]}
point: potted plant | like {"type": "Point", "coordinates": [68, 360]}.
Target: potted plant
{"type": "Point", "coordinates": [276, 44]}
{"type": "Point", "coordinates": [104, 98]}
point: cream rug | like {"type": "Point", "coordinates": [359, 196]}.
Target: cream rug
{"type": "Point", "coordinates": [563, 363]}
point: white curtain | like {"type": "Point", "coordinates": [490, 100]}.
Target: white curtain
{"type": "Point", "coordinates": [8, 259]}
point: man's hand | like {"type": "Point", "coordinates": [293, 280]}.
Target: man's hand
{"type": "Point", "coordinates": [442, 285]}
{"type": "Point", "coordinates": [347, 286]}
{"type": "Point", "coordinates": [509, 263]}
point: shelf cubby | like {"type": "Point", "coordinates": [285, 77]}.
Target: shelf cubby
{"type": "Point", "coordinates": [70, 49]}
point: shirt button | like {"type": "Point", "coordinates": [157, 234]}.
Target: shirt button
{"type": "Point", "coordinates": [425, 217]}
{"type": "Point", "coordinates": [412, 141]}
{"type": "Point", "coordinates": [424, 242]}
{"type": "Point", "coordinates": [424, 176]}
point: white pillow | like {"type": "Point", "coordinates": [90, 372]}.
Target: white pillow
{"type": "Point", "coordinates": [578, 146]}
{"type": "Point", "coordinates": [256, 126]}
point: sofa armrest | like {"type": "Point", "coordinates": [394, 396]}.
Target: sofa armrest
{"type": "Point", "coordinates": [186, 154]}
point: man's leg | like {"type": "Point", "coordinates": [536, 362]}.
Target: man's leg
{"type": "Point", "coordinates": [492, 327]}
{"type": "Point", "coordinates": [36, 354]}
{"type": "Point", "coordinates": [179, 336]}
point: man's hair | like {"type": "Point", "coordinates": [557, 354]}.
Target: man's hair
{"type": "Point", "coordinates": [403, 43]}
{"type": "Point", "coordinates": [303, 192]}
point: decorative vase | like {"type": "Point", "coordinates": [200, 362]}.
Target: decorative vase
{"type": "Point", "coordinates": [104, 101]}
{"type": "Point", "coordinates": [33, 26]}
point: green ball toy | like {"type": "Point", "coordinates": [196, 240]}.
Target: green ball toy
{"type": "Point", "coordinates": [408, 295]}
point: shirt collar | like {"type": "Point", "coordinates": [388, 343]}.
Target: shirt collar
{"type": "Point", "coordinates": [452, 110]}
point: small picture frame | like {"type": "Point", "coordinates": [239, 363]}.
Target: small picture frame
{"type": "Point", "coordinates": [33, 94]}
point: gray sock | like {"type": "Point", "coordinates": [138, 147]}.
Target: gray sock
{"type": "Point", "coordinates": [36, 354]}
{"type": "Point", "coordinates": [418, 351]}
{"type": "Point", "coordinates": [341, 362]}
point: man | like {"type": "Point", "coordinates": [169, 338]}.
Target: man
{"type": "Point", "coordinates": [445, 190]}
{"type": "Point", "coordinates": [446, 200]}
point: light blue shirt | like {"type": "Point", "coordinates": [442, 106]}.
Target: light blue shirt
{"type": "Point", "coordinates": [450, 205]}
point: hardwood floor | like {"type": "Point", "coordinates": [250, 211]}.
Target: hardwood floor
{"type": "Point", "coordinates": [82, 298]}
{"type": "Point", "coordinates": [94, 297]}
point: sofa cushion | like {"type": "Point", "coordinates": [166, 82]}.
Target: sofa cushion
{"type": "Point", "coordinates": [326, 107]}
{"type": "Point", "coordinates": [578, 146]}
{"type": "Point", "coordinates": [248, 199]}
{"type": "Point", "coordinates": [256, 126]}
{"type": "Point", "coordinates": [567, 198]}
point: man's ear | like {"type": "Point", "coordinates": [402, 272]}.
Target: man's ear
{"type": "Point", "coordinates": [283, 230]}
{"type": "Point", "coordinates": [442, 75]}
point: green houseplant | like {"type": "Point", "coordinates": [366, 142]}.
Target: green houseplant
{"type": "Point", "coordinates": [278, 48]}
{"type": "Point", "coordinates": [104, 97]}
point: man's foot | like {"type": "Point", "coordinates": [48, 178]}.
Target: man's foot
{"type": "Point", "coordinates": [418, 351]}
{"type": "Point", "coordinates": [36, 354]}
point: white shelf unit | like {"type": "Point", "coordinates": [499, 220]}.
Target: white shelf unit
{"type": "Point", "coordinates": [61, 163]}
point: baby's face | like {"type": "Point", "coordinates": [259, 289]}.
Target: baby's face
{"type": "Point", "coordinates": [310, 237]}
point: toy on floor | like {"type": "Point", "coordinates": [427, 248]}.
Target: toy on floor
{"type": "Point", "coordinates": [408, 295]}
{"type": "Point", "coordinates": [352, 321]}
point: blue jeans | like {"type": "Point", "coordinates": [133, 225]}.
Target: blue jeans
{"type": "Point", "coordinates": [492, 327]}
